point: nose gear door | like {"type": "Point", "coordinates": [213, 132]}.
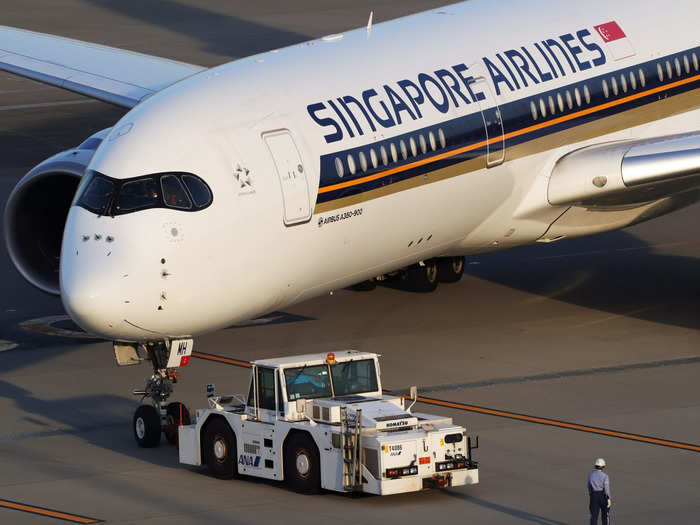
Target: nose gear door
{"type": "Point", "coordinates": [292, 176]}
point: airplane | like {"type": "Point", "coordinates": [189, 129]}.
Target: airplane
{"type": "Point", "coordinates": [230, 192]}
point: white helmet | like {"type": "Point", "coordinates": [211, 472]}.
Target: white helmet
{"type": "Point", "coordinates": [599, 463]}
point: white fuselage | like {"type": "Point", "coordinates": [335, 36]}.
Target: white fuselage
{"type": "Point", "coordinates": [264, 133]}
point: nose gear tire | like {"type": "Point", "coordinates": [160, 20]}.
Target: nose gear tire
{"type": "Point", "coordinates": [220, 452]}
{"type": "Point", "coordinates": [146, 425]}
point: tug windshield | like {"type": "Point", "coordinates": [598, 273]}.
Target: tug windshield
{"type": "Point", "coordinates": [354, 377]}
{"type": "Point", "coordinates": [307, 382]}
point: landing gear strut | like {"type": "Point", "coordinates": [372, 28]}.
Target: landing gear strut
{"type": "Point", "coordinates": [158, 417]}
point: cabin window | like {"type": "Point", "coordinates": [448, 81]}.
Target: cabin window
{"type": "Point", "coordinates": [677, 63]}
{"type": "Point", "coordinates": [669, 70]}
{"type": "Point", "coordinates": [373, 158]}
{"type": "Point", "coordinates": [384, 155]}
{"type": "Point", "coordinates": [552, 109]}
{"type": "Point", "coordinates": [577, 95]}
{"type": "Point", "coordinates": [414, 147]}
{"type": "Point", "coordinates": [431, 139]}
{"type": "Point", "coordinates": [633, 80]}
{"type": "Point", "coordinates": [394, 153]}
{"type": "Point", "coordinates": [339, 169]}
{"type": "Point", "coordinates": [533, 110]}
{"type": "Point", "coordinates": [642, 77]}
{"type": "Point", "coordinates": [696, 64]}
{"type": "Point", "coordinates": [423, 145]}
{"type": "Point", "coordinates": [586, 94]}
{"type": "Point", "coordinates": [660, 72]}
{"type": "Point", "coordinates": [363, 160]}
{"type": "Point", "coordinates": [623, 83]}
{"type": "Point", "coordinates": [606, 89]}
{"type": "Point", "coordinates": [404, 151]}
{"type": "Point", "coordinates": [686, 64]}
{"type": "Point", "coordinates": [613, 83]}
{"type": "Point", "coordinates": [543, 109]}
{"type": "Point", "coordinates": [569, 100]}
{"type": "Point", "coordinates": [351, 164]}
{"type": "Point", "coordinates": [560, 103]}
{"type": "Point", "coordinates": [441, 138]}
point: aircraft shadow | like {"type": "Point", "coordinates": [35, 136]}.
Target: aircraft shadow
{"type": "Point", "coordinates": [614, 272]}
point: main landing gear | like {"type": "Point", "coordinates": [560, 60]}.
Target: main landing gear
{"type": "Point", "coordinates": [159, 417]}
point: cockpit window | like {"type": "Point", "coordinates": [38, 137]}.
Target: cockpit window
{"type": "Point", "coordinates": [107, 196]}
{"type": "Point", "coordinates": [137, 195]}
{"type": "Point", "coordinates": [174, 194]}
{"type": "Point", "coordinates": [198, 189]}
{"type": "Point", "coordinates": [97, 195]}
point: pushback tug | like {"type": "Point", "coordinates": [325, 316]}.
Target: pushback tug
{"type": "Point", "coordinates": [322, 421]}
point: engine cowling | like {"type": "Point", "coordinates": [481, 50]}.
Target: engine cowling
{"type": "Point", "coordinates": [36, 212]}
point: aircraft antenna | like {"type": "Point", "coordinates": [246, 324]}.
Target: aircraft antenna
{"type": "Point", "coordinates": [369, 23]}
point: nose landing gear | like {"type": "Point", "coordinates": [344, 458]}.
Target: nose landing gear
{"type": "Point", "coordinates": [160, 417]}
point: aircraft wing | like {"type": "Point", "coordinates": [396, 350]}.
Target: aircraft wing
{"type": "Point", "coordinates": [626, 172]}
{"type": "Point", "coordinates": [119, 77]}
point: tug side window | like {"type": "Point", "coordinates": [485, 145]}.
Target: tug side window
{"type": "Point", "coordinates": [266, 388]}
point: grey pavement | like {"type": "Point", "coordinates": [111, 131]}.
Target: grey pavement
{"type": "Point", "coordinates": [600, 331]}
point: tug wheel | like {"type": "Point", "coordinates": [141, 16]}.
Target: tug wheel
{"type": "Point", "coordinates": [175, 411]}
{"type": "Point", "coordinates": [146, 425]}
{"type": "Point", "coordinates": [302, 464]}
{"type": "Point", "coordinates": [220, 451]}
{"type": "Point", "coordinates": [450, 269]}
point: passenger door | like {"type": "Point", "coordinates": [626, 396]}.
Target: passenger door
{"type": "Point", "coordinates": [291, 173]}
{"type": "Point", "coordinates": [493, 122]}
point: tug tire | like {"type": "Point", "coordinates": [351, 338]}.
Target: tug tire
{"type": "Point", "coordinates": [146, 425]}
{"type": "Point", "coordinates": [302, 464]}
{"type": "Point", "coordinates": [220, 451]}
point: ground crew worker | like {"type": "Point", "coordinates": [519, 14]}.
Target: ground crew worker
{"type": "Point", "coordinates": [599, 493]}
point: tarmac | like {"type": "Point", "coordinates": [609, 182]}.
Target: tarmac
{"type": "Point", "coordinates": [561, 353]}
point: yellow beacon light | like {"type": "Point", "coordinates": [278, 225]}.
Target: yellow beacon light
{"type": "Point", "coordinates": [330, 358]}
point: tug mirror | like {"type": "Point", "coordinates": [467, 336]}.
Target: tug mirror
{"type": "Point", "coordinates": [301, 406]}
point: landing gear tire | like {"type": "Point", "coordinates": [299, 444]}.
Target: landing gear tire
{"type": "Point", "coordinates": [364, 286]}
{"type": "Point", "coordinates": [422, 278]}
{"type": "Point", "coordinates": [220, 452]}
{"type": "Point", "coordinates": [146, 426]}
{"type": "Point", "coordinates": [450, 269]}
{"type": "Point", "coordinates": [176, 415]}
{"type": "Point", "coordinates": [302, 465]}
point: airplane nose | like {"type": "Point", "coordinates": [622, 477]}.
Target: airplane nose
{"type": "Point", "coordinates": [91, 303]}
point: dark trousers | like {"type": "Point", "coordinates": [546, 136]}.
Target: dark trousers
{"type": "Point", "coordinates": [598, 503]}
